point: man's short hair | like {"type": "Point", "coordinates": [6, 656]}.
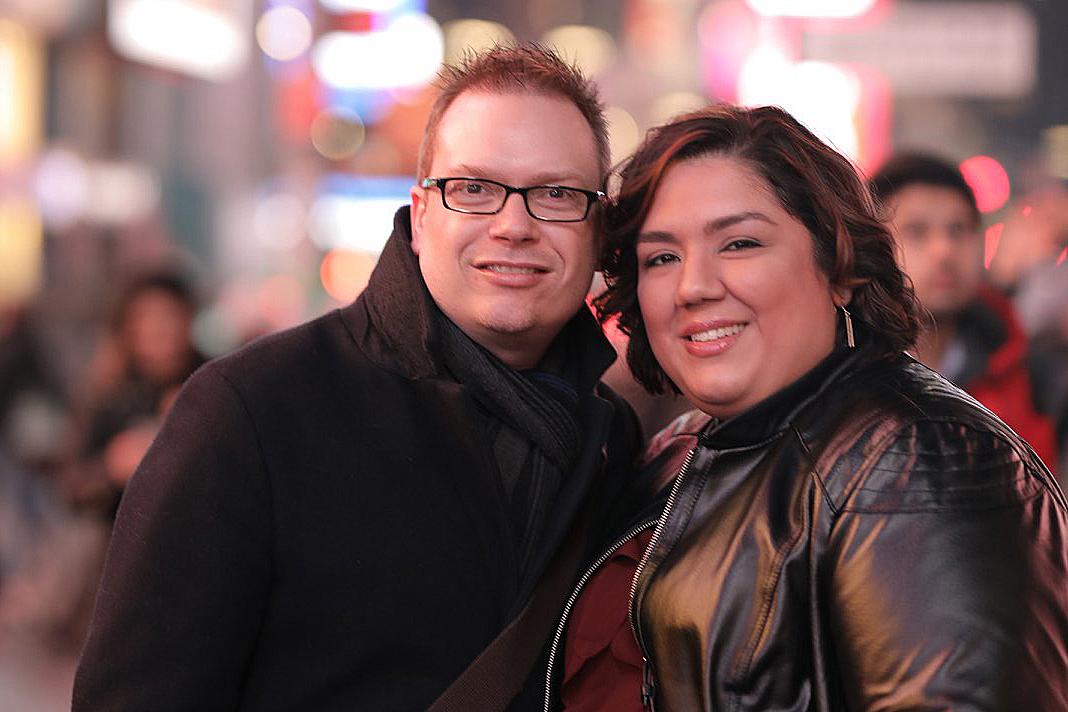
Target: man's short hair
{"type": "Point", "coordinates": [916, 167]}
{"type": "Point", "coordinates": [528, 68]}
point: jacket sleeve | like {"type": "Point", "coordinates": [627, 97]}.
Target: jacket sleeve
{"type": "Point", "coordinates": [187, 575]}
{"type": "Point", "coordinates": [948, 577]}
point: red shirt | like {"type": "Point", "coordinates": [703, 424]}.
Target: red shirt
{"type": "Point", "coordinates": [602, 661]}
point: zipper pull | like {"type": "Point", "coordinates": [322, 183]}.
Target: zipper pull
{"type": "Point", "coordinates": [648, 686]}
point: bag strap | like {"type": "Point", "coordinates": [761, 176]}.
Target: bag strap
{"type": "Point", "coordinates": [493, 679]}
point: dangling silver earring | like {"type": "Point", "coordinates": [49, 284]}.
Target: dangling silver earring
{"type": "Point", "coordinates": [848, 326]}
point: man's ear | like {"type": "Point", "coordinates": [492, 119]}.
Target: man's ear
{"type": "Point", "coordinates": [418, 211]}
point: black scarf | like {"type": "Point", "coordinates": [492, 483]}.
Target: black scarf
{"type": "Point", "coordinates": [531, 425]}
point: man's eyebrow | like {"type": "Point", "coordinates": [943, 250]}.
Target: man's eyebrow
{"type": "Point", "coordinates": [548, 178]}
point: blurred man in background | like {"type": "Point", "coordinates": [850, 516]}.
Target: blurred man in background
{"type": "Point", "coordinates": [343, 515]}
{"type": "Point", "coordinates": [973, 337]}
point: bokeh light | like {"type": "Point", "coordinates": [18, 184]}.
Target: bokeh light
{"type": "Point", "coordinates": [344, 273]}
{"type": "Point", "coordinates": [362, 5]}
{"type": "Point", "coordinates": [591, 49]}
{"type": "Point", "coordinates": [471, 35]}
{"type": "Point", "coordinates": [281, 301]}
{"type": "Point", "coordinates": [812, 8]}
{"type": "Point", "coordinates": [824, 97]}
{"type": "Point", "coordinates": [207, 41]}
{"type": "Point", "coordinates": [21, 246]}
{"type": "Point", "coordinates": [406, 53]}
{"type": "Point", "coordinates": [62, 187]}
{"type": "Point", "coordinates": [279, 221]}
{"type": "Point", "coordinates": [988, 180]}
{"type": "Point", "coordinates": [353, 222]}
{"type": "Point", "coordinates": [671, 105]}
{"type": "Point", "coordinates": [623, 132]}
{"type": "Point", "coordinates": [337, 134]}
{"type": "Point", "coordinates": [284, 33]}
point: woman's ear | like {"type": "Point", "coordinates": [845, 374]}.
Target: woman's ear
{"type": "Point", "coordinates": [842, 295]}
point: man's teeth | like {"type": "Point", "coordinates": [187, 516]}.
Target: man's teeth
{"type": "Point", "coordinates": [508, 269]}
{"type": "Point", "coordinates": [713, 334]}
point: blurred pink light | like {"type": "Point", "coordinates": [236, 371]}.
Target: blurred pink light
{"type": "Point", "coordinates": [988, 180]}
{"type": "Point", "coordinates": [812, 8]}
{"type": "Point", "coordinates": [1064, 254]}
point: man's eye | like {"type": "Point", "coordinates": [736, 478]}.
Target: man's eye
{"type": "Point", "coordinates": [473, 188]}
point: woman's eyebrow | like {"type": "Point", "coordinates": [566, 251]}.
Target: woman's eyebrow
{"type": "Point", "coordinates": [655, 236]}
{"type": "Point", "coordinates": [728, 220]}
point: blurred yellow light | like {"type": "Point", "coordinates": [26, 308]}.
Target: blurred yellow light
{"type": "Point", "coordinates": [406, 53]}
{"type": "Point", "coordinates": [20, 250]}
{"type": "Point", "coordinates": [462, 36]}
{"type": "Point", "coordinates": [21, 91]}
{"type": "Point", "coordinates": [590, 48]}
{"type": "Point", "coordinates": [623, 133]}
{"type": "Point", "coordinates": [344, 273]}
{"type": "Point", "coordinates": [284, 33]}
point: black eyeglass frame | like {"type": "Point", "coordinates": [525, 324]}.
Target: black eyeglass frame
{"type": "Point", "coordinates": [592, 197]}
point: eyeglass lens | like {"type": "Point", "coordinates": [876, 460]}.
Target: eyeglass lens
{"type": "Point", "coordinates": [545, 202]}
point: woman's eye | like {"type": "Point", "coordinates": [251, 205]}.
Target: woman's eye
{"type": "Point", "coordinates": [659, 258]}
{"type": "Point", "coordinates": [742, 243]}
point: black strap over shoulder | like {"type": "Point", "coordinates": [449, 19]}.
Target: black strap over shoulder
{"type": "Point", "coordinates": [495, 677]}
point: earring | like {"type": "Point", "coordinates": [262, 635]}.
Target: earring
{"type": "Point", "coordinates": [848, 326]}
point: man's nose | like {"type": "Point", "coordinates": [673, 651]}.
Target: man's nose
{"type": "Point", "coordinates": [513, 222]}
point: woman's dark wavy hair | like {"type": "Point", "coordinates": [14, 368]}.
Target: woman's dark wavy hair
{"type": "Point", "coordinates": [813, 182]}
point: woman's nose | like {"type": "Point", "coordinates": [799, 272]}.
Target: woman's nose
{"type": "Point", "coordinates": [699, 280]}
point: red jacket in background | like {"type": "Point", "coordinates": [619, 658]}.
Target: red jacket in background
{"type": "Point", "coordinates": [996, 375]}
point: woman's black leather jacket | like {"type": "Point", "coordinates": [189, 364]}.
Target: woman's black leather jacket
{"type": "Point", "coordinates": [870, 538]}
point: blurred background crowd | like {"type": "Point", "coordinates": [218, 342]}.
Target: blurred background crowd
{"type": "Point", "coordinates": [180, 176]}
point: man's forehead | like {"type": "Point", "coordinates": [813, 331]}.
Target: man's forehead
{"type": "Point", "coordinates": [536, 131]}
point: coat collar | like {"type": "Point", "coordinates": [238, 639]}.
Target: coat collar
{"type": "Point", "coordinates": [776, 413]}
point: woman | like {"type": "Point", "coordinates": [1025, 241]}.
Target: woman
{"type": "Point", "coordinates": [844, 529]}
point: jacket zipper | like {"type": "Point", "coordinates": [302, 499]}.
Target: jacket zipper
{"type": "Point", "coordinates": [648, 679]}
{"type": "Point", "coordinates": [575, 591]}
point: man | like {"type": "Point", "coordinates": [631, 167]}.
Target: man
{"type": "Point", "coordinates": [973, 337]}
{"type": "Point", "coordinates": [343, 515]}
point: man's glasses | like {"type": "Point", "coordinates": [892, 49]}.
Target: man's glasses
{"type": "Point", "coordinates": [552, 203]}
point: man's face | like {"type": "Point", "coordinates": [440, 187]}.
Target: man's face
{"type": "Point", "coordinates": [941, 245]}
{"type": "Point", "coordinates": [508, 280]}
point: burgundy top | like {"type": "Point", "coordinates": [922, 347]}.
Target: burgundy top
{"type": "Point", "coordinates": [602, 661]}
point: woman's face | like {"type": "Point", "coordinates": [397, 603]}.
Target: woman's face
{"type": "Point", "coordinates": [734, 305]}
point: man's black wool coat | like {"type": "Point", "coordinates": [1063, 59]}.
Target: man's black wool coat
{"type": "Point", "coordinates": [319, 525]}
